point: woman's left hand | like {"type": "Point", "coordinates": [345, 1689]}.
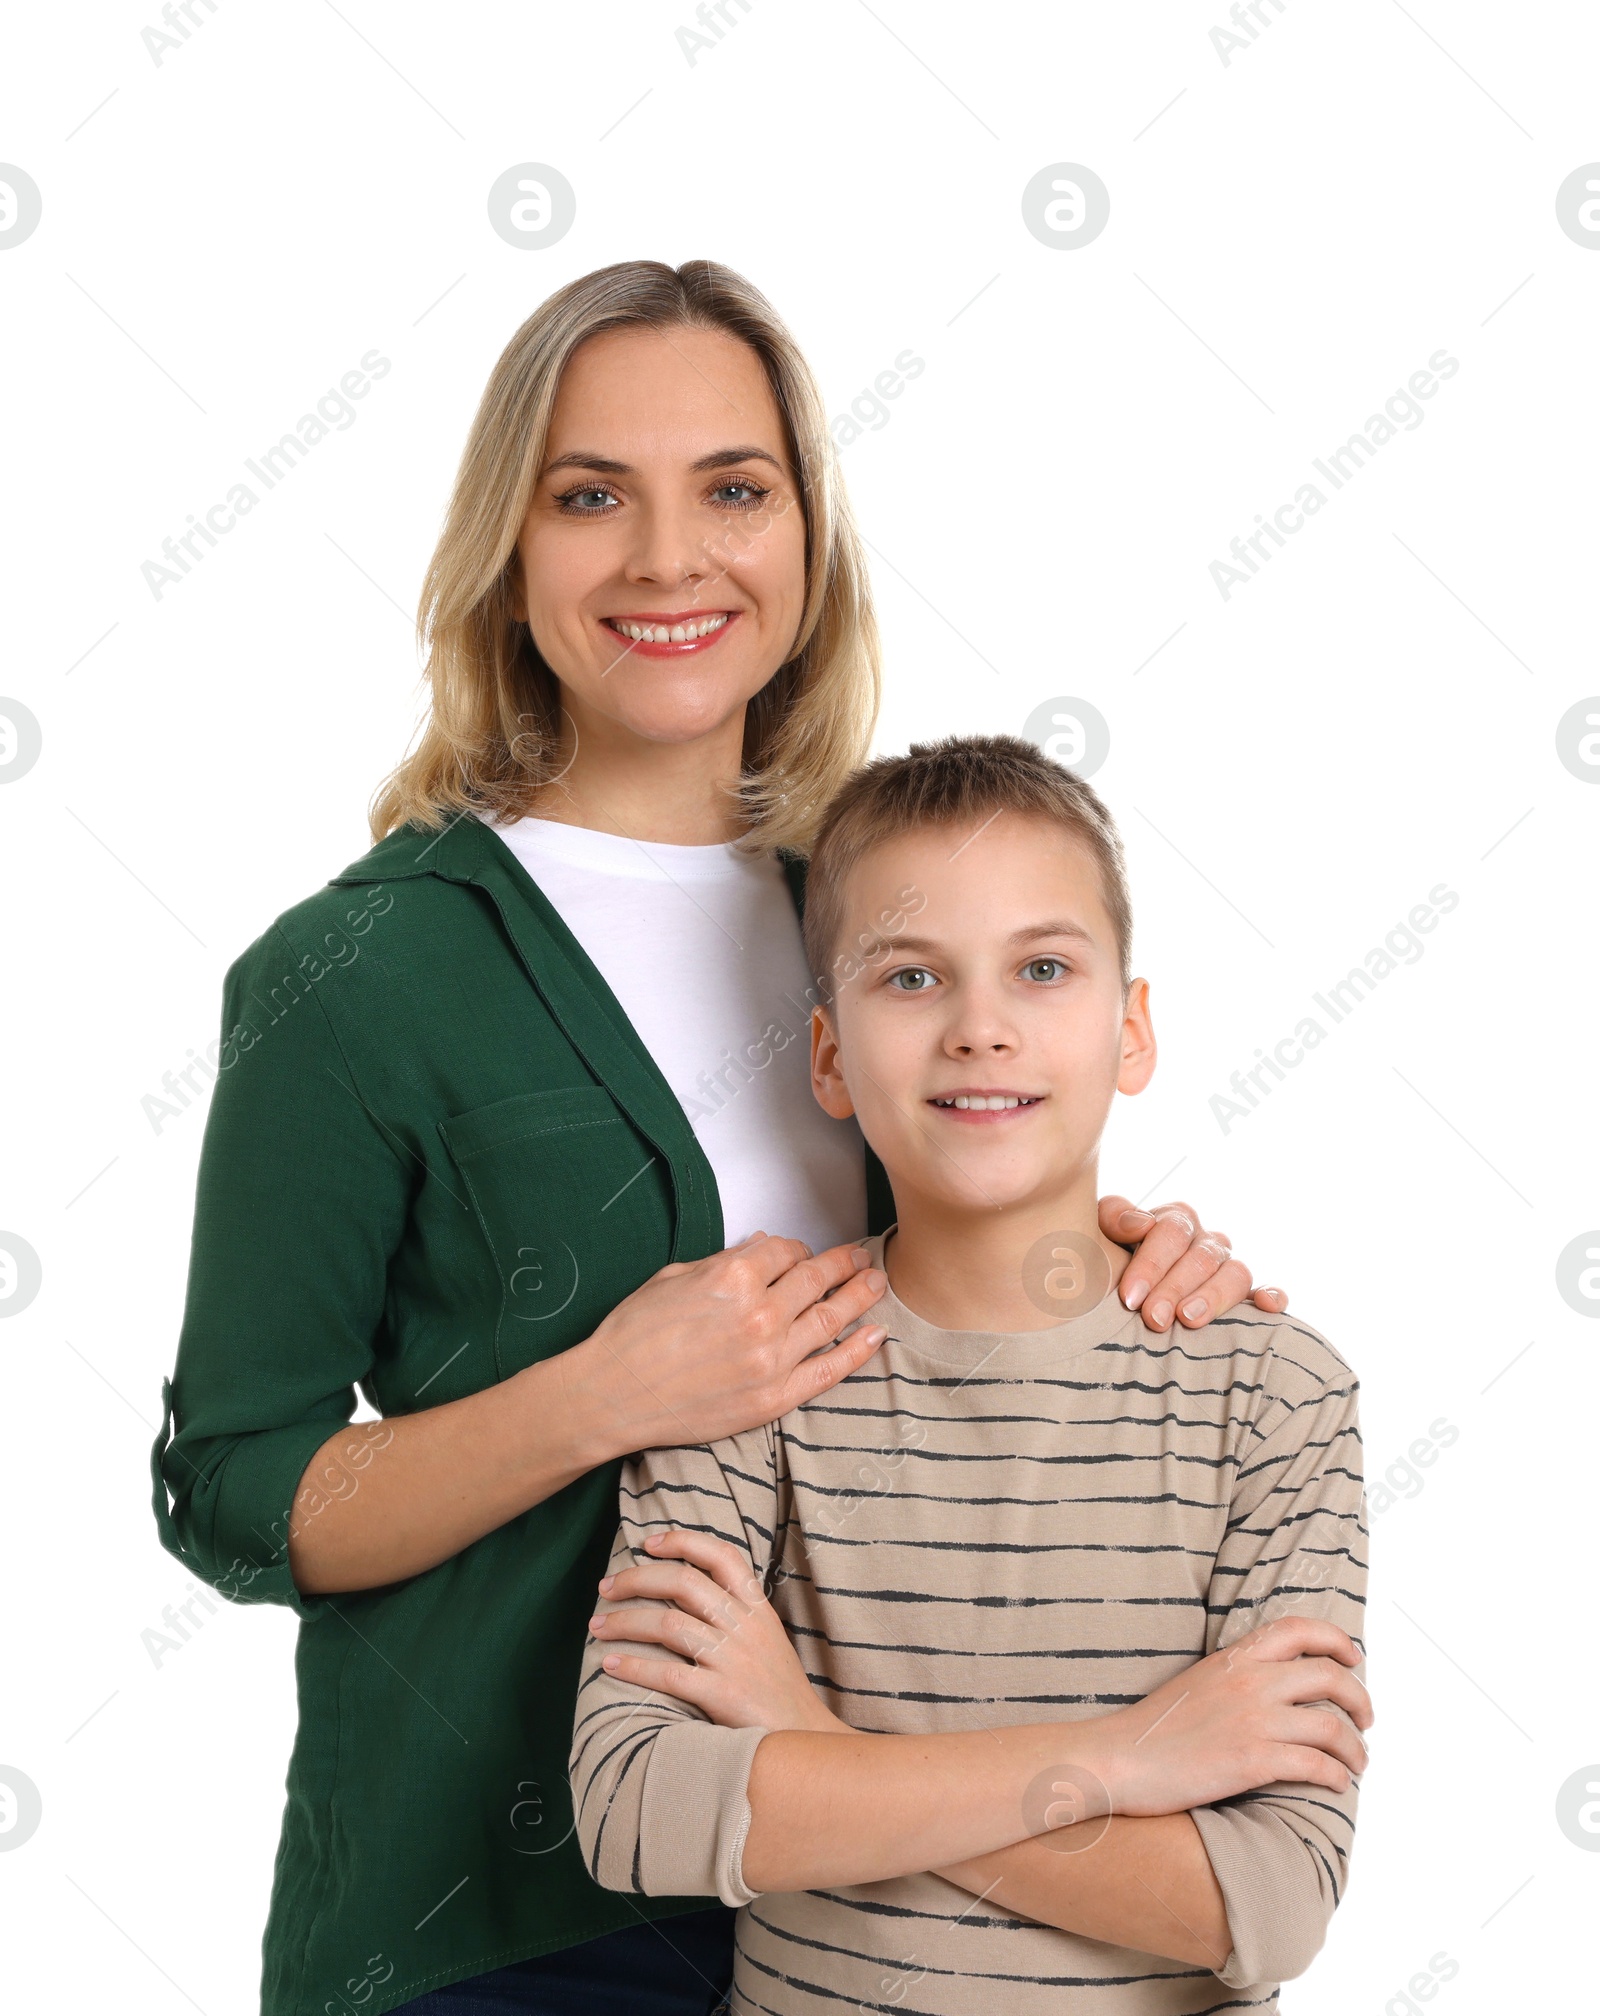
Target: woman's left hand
{"type": "Point", "coordinates": [742, 1672]}
{"type": "Point", "coordinates": [1179, 1269]}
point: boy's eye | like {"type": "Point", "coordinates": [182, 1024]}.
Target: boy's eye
{"type": "Point", "coordinates": [912, 980]}
{"type": "Point", "coordinates": [1045, 969]}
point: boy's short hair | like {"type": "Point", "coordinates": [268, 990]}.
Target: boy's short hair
{"type": "Point", "coordinates": [957, 782]}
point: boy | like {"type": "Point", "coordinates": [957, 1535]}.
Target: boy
{"type": "Point", "coordinates": [1045, 1567]}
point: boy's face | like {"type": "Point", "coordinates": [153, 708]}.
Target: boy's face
{"type": "Point", "coordinates": [1004, 982]}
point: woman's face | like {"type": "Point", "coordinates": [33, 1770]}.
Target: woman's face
{"type": "Point", "coordinates": [663, 554]}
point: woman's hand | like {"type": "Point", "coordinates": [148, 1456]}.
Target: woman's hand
{"type": "Point", "coordinates": [1178, 1266]}
{"type": "Point", "coordinates": [707, 1348]}
{"type": "Point", "coordinates": [698, 1597]}
{"type": "Point", "coordinates": [1259, 1711]}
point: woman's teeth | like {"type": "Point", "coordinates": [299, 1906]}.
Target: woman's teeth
{"type": "Point", "coordinates": [995, 1102]}
{"type": "Point", "coordinates": [662, 633]}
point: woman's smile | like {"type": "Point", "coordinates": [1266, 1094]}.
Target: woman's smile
{"type": "Point", "coordinates": [658, 634]}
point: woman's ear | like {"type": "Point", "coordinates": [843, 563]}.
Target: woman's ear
{"type": "Point", "coordinates": [827, 1080]}
{"type": "Point", "coordinates": [1138, 1061]}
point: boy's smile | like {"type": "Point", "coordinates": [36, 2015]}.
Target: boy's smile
{"type": "Point", "coordinates": [980, 1104]}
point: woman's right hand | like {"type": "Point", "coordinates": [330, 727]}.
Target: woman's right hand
{"type": "Point", "coordinates": [1256, 1712]}
{"type": "Point", "coordinates": [707, 1348]}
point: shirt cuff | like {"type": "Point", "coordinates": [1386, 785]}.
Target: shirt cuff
{"type": "Point", "coordinates": [1275, 1919]}
{"type": "Point", "coordinates": [695, 1812]}
{"type": "Point", "coordinates": [230, 1527]}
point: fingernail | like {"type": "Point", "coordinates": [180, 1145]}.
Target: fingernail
{"type": "Point", "coordinates": [1195, 1308]}
{"type": "Point", "coordinates": [1161, 1315]}
{"type": "Point", "coordinates": [1135, 1292]}
{"type": "Point", "coordinates": [654, 1539]}
{"type": "Point", "coordinates": [595, 1623]}
{"type": "Point", "coordinates": [861, 1257]}
{"type": "Point", "coordinates": [606, 1582]}
{"type": "Point", "coordinates": [611, 1663]}
{"type": "Point", "coordinates": [1134, 1211]}
{"type": "Point", "coordinates": [875, 1281]}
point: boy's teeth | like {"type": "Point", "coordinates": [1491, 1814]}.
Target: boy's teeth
{"type": "Point", "coordinates": [676, 633]}
{"type": "Point", "coordinates": [996, 1102]}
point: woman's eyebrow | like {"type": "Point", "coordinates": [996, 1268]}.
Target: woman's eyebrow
{"type": "Point", "coordinates": [719, 458]}
{"type": "Point", "coordinates": [724, 458]}
{"type": "Point", "coordinates": [582, 459]}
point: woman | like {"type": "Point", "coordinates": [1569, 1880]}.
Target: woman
{"type": "Point", "coordinates": [509, 1121]}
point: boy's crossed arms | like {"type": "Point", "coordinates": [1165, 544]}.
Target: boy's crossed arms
{"type": "Point", "coordinates": [984, 1721]}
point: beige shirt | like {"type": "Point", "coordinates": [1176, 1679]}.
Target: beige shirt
{"type": "Point", "coordinates": [978, 1529]}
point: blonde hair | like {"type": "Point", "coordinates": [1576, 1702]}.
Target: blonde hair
{"type": "Point", "coordinates": [958, 781]}
{"type": "Point", "coordinates": [490, 736]}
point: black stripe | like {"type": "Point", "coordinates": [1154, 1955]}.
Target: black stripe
{"type": "Point", "coordinates": [877, 1962]}
{"type": "Point", "coordinates": [1190, 1652]}
{"type": "Point", "coordinates": [988, 1602]}
{"type": "Point", "coordinates": [926, 1698]}
{"type": "Point", "coordinates": [1019, 1455]}
{"type": "Point", "coordinates": [1287, 1589]}
{"type": "Point", "coordinates": [1298, 1799]}
{"type": "Point", "coordinates": [691, 1526]}
{"type": "Point", "coordinates": [969, 1383]}
{"type": "Point", "coordinates": [1289, 1519]}
{"type": "Point", "coordinates": [600, 1832]}
{"type": "Point", "coordinates": [649, 1728]}
{"type": "Point", "coordinates": [1010, 1546]}
{"type": "Point", "coordinates": [1280, 1323]}
{"type": "Point", "coordinates": [967, 1498]}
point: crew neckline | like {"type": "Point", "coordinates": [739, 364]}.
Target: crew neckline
{"type": "Point", "coordinates": [1013, 1352]}
{"type": "Point", "coordinates": [616, 854]}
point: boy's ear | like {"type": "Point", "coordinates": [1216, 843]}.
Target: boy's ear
{"type": "Point", "coordinates": [1138, 1061]}
{"type": "Point", "coordinates": [827, 1080]}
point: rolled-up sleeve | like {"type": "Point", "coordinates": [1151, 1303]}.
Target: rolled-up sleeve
{"type": "Point", "coordinates": [300, 1202]}
{"type": "Point", "coordinates": [1295, 1546]}
{"type": "Point", "coordinates": [660, 1792]}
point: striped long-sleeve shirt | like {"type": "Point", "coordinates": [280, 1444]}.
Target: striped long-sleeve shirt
{"type": "Point", "coordinates": [974, 1530]}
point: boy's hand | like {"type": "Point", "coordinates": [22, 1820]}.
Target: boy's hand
{"type": "Point", "coordinates": [1178, 1267]}
{"type": "Point", "coordinates": [1255, 1713]}
{"type": "Point", "coordinates": [744, 1673]}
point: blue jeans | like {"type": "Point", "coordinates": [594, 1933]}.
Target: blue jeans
{"type": "Point", "coordinates": [671, 1967]}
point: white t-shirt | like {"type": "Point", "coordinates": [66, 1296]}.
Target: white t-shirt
{"type": "Point", "coordinates": [701, 946]}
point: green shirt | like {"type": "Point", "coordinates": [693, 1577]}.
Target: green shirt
{"type": "Point", "coordinates": [437, 1151]}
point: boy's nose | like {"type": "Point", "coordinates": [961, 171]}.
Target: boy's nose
{"type": "Point", "coordinates": [980, 1035]}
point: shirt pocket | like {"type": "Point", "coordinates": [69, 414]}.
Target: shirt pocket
{"type": "Point", "coordinates": [575, 1205]}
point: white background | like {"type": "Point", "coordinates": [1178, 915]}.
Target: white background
{"type": "Point", "coordinates": [226, 232]}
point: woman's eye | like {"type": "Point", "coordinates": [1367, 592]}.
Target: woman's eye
{"type": "Point", "coordinates": [585, 502]}
{"type": "Point", "coordinates": [1045, 969]}
{"type": "Point", "coordinates": [752, 493]}
{"type": "Point", "coordinates": [911, 980]}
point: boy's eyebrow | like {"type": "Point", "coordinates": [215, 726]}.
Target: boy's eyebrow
{"type": "Point", "coordinates": [1057, 927]}
{"type": "Point", "coordinates": [719, 458]}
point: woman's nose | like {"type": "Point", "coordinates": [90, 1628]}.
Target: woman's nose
{"type": "Point", "coordinates": [669, 546]}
